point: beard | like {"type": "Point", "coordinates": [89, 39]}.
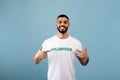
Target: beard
{"type": "Point", "coordinates": [62, 29]}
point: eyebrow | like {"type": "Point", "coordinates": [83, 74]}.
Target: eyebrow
{"type": "Point", "coordinates": [62, 21]}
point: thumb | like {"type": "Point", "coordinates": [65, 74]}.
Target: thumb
{"type": "Point", "coordinates": [41, 49]}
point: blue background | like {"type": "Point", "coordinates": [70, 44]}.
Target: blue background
{"type": "Point", "coordinates": [25, 24]}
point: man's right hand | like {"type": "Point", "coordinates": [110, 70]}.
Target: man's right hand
{"type": "Point", "coordinates": [40, 55]}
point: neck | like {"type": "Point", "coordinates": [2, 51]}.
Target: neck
{"type": "Point", "coordinates": [62, 36]}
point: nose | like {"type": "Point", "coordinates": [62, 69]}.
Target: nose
{"type": "Point", "coordinates": [62, 23]}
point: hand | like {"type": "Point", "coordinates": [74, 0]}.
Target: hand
{"type": "Point", "coordinates": [39, 56]}
{"type": "Point", "coordinates": [83, 56]}
{"type": "Point", "coordinates": [42, 54]}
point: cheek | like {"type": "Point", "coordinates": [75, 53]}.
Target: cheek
{"type": "Point", "coordinates": [57, 25]}
{"type": "Point", "coordinates": [67, 25]}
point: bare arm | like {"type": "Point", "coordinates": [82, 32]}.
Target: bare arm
{"type": "Point", "coordinates": [83, 57]}
{"type": "Point", "coordinates": [39, 56]}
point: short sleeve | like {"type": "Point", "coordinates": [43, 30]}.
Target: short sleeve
{"type": "Point", "coordinates": [44, 45]}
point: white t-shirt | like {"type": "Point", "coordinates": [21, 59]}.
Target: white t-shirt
{"type": "Point", "coordinates": [61, 57]}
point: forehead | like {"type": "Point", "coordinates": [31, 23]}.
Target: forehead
{"type": "Point", "coordinates": [62, 19]}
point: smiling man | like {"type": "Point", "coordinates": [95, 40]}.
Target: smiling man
{"type": "Point", "coordinates": [61, 50]}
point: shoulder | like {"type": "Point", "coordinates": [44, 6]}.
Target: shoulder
{"type": "Point", "coordinates": [77, 43]}
{"type": "Point", "coordinates": [75, 39]}
{"type": "Point", "coordinates": [49, 39]}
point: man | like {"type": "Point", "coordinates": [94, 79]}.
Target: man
{"type": "Point", "coordinates": [61, 50]}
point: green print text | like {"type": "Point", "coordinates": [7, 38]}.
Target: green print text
{"type": "Point", "coordinates": [61, 49]}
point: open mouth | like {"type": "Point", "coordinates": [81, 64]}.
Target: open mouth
{"type": "Point", "coordinates": [62, 29]}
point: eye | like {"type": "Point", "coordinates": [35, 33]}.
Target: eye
{"type": "Point", "coordinates": [60, 22]}
{"type": "Point", "coordinates": [65, 22]}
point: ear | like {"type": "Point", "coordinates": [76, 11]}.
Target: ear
{"type": "Point", "coordinates": [69, 24]}
{"type": "Point", "coordinates": [56, 24]}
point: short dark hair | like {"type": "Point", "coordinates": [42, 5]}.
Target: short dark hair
{"type": "Point", "coordinates": [63, 15]}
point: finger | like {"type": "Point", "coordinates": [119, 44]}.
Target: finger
{"type": "Point", "coordinates": [46, 51]}
{"type": "Point", "coordinates": [85, 49]}
{"type": "Point", "coordinates": [79, 51]}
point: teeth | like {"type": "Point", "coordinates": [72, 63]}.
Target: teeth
{"type": "Point", "coordinates": [62, 27]}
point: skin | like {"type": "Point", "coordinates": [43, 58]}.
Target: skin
{"type": "Point", "coordinates": [62, 24]}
